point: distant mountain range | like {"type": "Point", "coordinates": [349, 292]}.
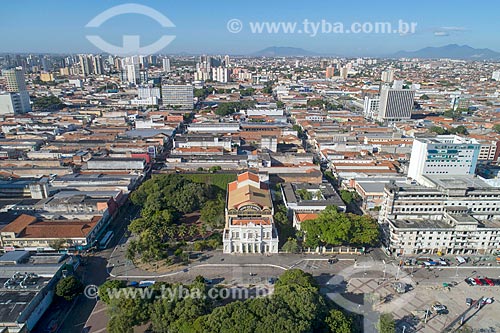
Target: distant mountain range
{"type": "Point", "coordinates": [452, 51]}
{"type": "Point", "coordinates": [284, 51]}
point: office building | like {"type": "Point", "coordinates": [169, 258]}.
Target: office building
{"type": "Point", "coordinates": [371, 107]}
{"type": "Point", "coordinates": [249, 217]}
{"type": "Point", "coordinates": [146, 92]}
{"type": "Point", "coordinates": [456, 215]}
{"type": "Point", "coordinates": [15, 82]}
{"type": "Point", "coordinates": [177, 96]}
{"type": "Point", "coordinates": [443, 155]}
{"type": "Point", "coordinates": [395, 104]}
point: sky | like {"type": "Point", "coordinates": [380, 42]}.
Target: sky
{"type": "Point", "coordinates": [59, 26]}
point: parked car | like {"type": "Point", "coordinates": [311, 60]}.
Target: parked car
{"type": "Point", "coordinates": [469, 301]}
{"type": "Point", "coordinates": [478, 281]}
{"type": "Point", "coordinates": [489, 282]}
{"type": "Point", "coordinates": [487, 300]}
{"type": "Point", "coordinates": [439, 308]}
{"type": "Point", "coordinates": [470, 281]}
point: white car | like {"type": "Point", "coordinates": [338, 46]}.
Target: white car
{"type": "Point", "coordinates": [438, 307]}
{"type": "Point", "coordinates": [487, 300]}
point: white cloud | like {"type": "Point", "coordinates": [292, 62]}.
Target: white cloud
{"type": "Point", "coordinates": [441, 33]}
{"type": "Point", "coordinates": [452, 28]}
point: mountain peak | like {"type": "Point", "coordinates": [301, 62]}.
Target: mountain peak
{"type": "Point", "coordinates": [452, 51]}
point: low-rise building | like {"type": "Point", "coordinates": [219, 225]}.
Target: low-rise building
{"type": "Point", "coordinates": [309, 198]}
{"type": "Point", "coordinates": [249, 217]}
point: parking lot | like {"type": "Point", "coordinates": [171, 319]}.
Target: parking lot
{"type": "Point", "coordinates": [409, 309]}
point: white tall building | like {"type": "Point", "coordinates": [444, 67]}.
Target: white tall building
{"type": "Point", "coordinates": [496, 75]}
{"type": "Point", "coordinates": [443, 155]}
{"type": "Point", "coordinates": [220, 74]}
{"type": "Point", "coordinates": [371, 106]}
{"type": "Point", "coordinates": [387, 75]}
{"type": "Point", "coordinates": [177, 96]}
{"type": "Point", "coordinates": [395, 104]}
{"type": "Point", "coordinates": [10, 103]}
{"type": "Point", "coordinates": [146, 92]}
{"type": "Point", "coordinates": [14, 79]}
{"type": "Point", "coordinates": [166, 65]}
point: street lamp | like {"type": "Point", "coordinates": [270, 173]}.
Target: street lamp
{"type": "Point", "coordinates": [385, 266]}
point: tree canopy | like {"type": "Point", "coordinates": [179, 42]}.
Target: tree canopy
{"type": "Point", "coordinates": [69, 287]}
{"type": "Point", "coordinates": [295, 306]}
{"type": "Point", "coordinates": [335, 228]}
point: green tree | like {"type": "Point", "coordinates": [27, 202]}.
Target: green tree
{"type": "Point", "coordinates": [119, 324]}
{"type": "Point", "coordinates": [68, 288]}
{"type": "Point", "coordinates": [291, 246]}
{"type": "Point", "coordinates": [335, 228]}
{"type": "Point", "coordinates": [104, 289]}
{"type": "Point", "coordinates": [438, 130]}
{"type": "Point", "coordinates": [424, 97]}
{"type": "Point", "coordinates": [212, 213]}
{"type": "Point", "coordinates": [338, 322]}
{"type": "Point", "coordinates": [348, 196]}
{"type": "Point", "coordinates": [386, 323]}
{"type": "Point", "coordinates": [461, 129]}
{"type": "Point", "coordinates": [496, 128]}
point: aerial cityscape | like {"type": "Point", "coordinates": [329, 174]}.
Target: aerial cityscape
{"type": "Point", "coordinates": [313, 168]}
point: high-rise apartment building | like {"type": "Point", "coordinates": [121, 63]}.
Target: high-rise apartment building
{"type": "Point", "coordinates": [220, 74]}
{"type": "Point", "coordinates": [15, 82]}
{"type": "Point", "coordinates": [387, 76]}
{"type": "Point", "coordinates": [166, 65]}
{"type": "Point", "coordinates": [330, 72]}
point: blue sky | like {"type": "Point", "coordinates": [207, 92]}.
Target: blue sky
{"type": "Point", "coordinates": [58, 26]}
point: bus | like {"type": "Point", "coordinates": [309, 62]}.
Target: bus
{"type": "Point", "coordinates": [105, 240]}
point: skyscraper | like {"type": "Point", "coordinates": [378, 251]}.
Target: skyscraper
{"type": "Point", "coordinates": [166, 65]}
{"type": "Point", "coordinates": [16, 84]}
{"type": "Point", "coordinates": [395, 104]}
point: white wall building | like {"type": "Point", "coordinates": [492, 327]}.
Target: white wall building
{"type": "Point", "coordinates": [370, 107]}
{"type": "Point", "coordinates": [395, 104]}
{"type": "Point", "coordinates": [457, 215]}
{"type": "Point", "coordinates": [249, 217]}
{"type": "Point", "coordinates": [443, 155]}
